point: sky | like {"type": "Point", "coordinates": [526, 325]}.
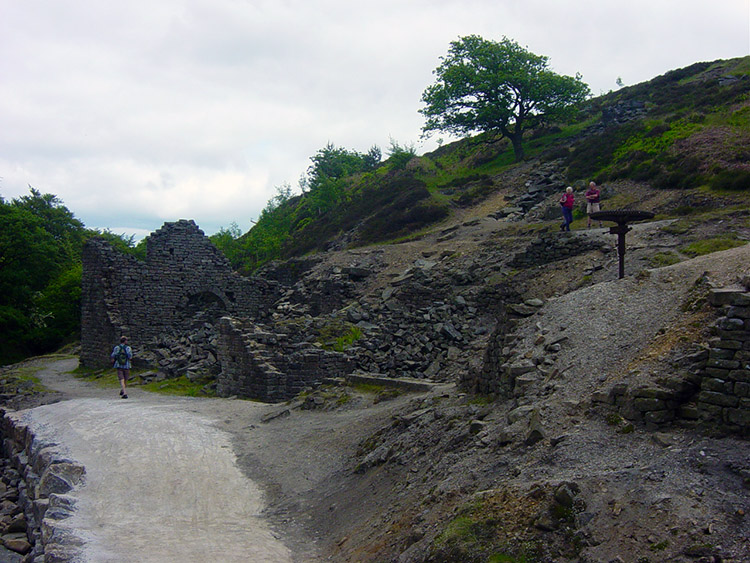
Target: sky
{"type": "Point", "coordinates": [140, 112]}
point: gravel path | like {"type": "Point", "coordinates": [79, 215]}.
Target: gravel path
{"type": "Point", "coordinates": [162, 482]}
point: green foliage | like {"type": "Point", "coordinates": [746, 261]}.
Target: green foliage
{"type": "Point", "coordinates": [503, 558]}
{"type": "Point", "coordinates": [695, 131]}
{"type": "Point", "coordinates": [226, 240]}
{"type": "Point", "coordinates": [733, 180]}
{"type": "Point", "coordinates": [490, 86]}
{"type": "Point", "coordinates": [399, 156]}
{"type": "Point", "coordinates": [333, 163]}
{"type": "Point", "coordinates": [40, 275]}
{"type": "Point", "coordinates": [338, 335]}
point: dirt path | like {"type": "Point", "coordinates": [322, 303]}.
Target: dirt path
{"type": "Point", "coordinates": [162, 481]}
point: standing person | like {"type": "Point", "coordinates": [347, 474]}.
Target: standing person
{"type": "Point", "coordinates": [593, 196]}
{"type": "Point", "coordinates": [566, 202]}
{"type": "Point", "coordinates": [121, 354]}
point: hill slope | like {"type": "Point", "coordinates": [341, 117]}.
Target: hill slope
{"type": "Point", "coordinates": [686, 129]}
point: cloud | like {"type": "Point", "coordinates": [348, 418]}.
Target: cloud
{"type": "Point", "coordinates": [198, 109]}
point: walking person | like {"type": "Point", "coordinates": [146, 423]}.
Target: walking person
{"type": "Point", "coordinates": [593, 197]}
{"type": "Point", "coordinates": [566, 202]}
{"type": "Point", "coordinates": [122, 354]}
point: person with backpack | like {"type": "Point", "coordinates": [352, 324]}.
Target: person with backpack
{"type": "Point", "coordinates": [121, 354]}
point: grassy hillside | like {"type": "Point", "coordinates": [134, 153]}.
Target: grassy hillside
{"type": "Point", "coordinates": [687, 129]}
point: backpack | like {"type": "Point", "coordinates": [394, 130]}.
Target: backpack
{"type": "Point", "coordinates": [122, 355]}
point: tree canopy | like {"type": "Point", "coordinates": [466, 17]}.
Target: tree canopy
{"type": "Point", "coordinates": [497, 87]}
{"type": "Point", "coordinates": [40, 274]}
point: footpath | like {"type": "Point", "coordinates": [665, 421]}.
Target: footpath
{"type": "Point", "coordinates": [162, 483]}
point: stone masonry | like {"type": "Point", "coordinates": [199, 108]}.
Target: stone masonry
{"type": "Point", "coordinates": [260, 364]}
{"type": "Point", "coordinates": [709, 387]}
{"type": "Point", "coordinates": [41, 476]}
{"type": "Point", "coordinates": [184, 273]}
{"type": "Point", "coordinates": [724, 398]}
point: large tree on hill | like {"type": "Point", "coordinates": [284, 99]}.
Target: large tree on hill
{"type": "Point", "coordinates": [497, 87]}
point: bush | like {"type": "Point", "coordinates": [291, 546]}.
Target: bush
{"type": "Point", "coordinates": [734, 180]}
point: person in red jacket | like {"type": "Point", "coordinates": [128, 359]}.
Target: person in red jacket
{"type": "Point", "coordinates": [566, 202]}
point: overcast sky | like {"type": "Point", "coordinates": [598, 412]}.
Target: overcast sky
{"type": "Point", "coordinates": [139, 112]}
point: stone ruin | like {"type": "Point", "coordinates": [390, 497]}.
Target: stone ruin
{"type": "Point", "coordinates": [168, 305]}
{"type": "Point", "coordinates": [187, 313]}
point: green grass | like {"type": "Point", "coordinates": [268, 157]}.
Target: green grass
{"type": "Point", "coordinates": [502, 558]}
{"type": "Point", "coordinates": [707, 246]}
{"type": "Point", "coordinates": [101, 377]}
{"type": "Point", "coordinates": [369, 388]}
{"type": "Point", "coordinates": [338, 335]}
{"type": "Point", "coordinates": [661, 259]}
{"type": "Point", "coordinates": [25, 374]}
{"type": "Point", "coordinates": [181, 386]}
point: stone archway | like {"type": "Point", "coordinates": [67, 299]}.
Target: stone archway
{"type": "Point", "coordinates": [203, 307]}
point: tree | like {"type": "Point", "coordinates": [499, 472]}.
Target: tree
{"type": "Point", "coordinates": [399, 156]}
{"type": "Point", "coordinates": [334, 163]}
{"type": "Point", "coordinates": [497, 87]}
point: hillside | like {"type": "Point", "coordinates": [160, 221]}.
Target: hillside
{"type": "Point", "coordinates": [687, 129]}
{"type": "Point", "coordinates": [450, 476]}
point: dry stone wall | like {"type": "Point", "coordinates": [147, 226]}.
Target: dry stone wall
{"type": "Point", "coordinates": [709, 386]}
{"type": "Point", "coordinates": [184, 274]}
{"type": "Point", "coordinates": [724, 398]}
{"type": "Point", "coordinates": [35, 497]}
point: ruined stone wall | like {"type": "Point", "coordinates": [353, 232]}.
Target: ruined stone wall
{"type": "Point", "coordinates": [184, 273]}
{"type": "Point", "coordinates": [708, 387]}
{"type": "Point", "coordinates": [724, 398]}
{"type": "Point", "coordinates": [261, 365]}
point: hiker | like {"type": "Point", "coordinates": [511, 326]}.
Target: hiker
{"type": "Point", "coordinates": [121, 354]}
{"type": "Point", "coordinates": [566, 202]}
{"type": "Point", "coordinates": [593, 196]}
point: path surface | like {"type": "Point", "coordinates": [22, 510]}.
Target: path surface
{"type": "Point", "coordinates": [162, 483]}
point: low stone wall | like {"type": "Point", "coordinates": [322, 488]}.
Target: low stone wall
{"type": "Point", "coordinates": [724, 398]}
{"type": "Point", "coordinates": [260, 365]}
{"type": "Point", "coordinates": [42, 476]}
{"type": "Point", "coordinates": [549, 247]}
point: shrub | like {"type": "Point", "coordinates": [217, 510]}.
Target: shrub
{"type": "Point", "coordinates": [735, 180]}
